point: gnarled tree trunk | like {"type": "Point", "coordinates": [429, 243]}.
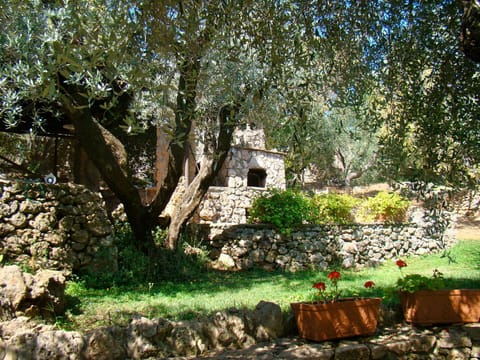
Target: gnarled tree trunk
{"type": "Point", "coordinates": [210, 165]}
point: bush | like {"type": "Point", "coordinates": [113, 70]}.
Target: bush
{"type": "Point", "coordinates": [288, 209]}
{"type": "Point", "coordinates": [135, 267]}
{"type": "Point", "coordinates": [283, 209]}
{"type": "Point", "coordinates": [385, 206]}
{"type": "Point", "coordinates": [333, 209]}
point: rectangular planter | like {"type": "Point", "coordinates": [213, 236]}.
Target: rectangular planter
{"type": "Point", "coordinates": [342, 319]}
{"type": "Point", "coordinates": [427, 307]}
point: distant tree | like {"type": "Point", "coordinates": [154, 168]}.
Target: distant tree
{"type": "Point", "coordinates": [397, 66]}
{"type": "Point", "coordinates": [427, 95]}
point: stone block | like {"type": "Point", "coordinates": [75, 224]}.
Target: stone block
{"type": "Point", "coordinates": [473, 331]}
{"type": "Point", "coordinates": [352, 351]}
{"type": "Point", "coordinates": [423, 343]}
{"type": "Point", "coordinates": [308, 351]}
{"type": "Point", "coordinates": [378, 351]}
{"type": "Point", "coordinates": [399, 347]}
{"type": "Point", "coordinates": [475, 351]}
{"type": "Point", "coordinates": [453, 337]}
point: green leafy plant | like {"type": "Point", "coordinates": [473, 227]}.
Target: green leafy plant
{"type": "Point", "coordinates": [325, 295]}
{"type": "Point", "coordinates": [415, 282]}
{"type": "Point", "coordinates": [283, 209]}
{"type": "Point", "coordinates": [333, 208]}
{"type": "Point", "coordinates": [385, 206]}
{"type": "Point", "coordinates": [135, 267]}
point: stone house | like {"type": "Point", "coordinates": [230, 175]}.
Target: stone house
{"type": "Point", "coordinates": [248, 170]}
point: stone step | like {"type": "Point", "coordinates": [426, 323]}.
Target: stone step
{"type": "Point", "coordinates": [473, 331]}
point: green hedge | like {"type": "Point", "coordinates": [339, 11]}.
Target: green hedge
{"type": "Point", "coordinates": [283, 209]}
{"type": "Point", "coordinates": [289, 209]}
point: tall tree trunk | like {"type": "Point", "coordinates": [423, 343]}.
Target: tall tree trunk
{"type": "Point", "coordinates": [209, 167]}
{"type": "Point", "coordinates": [93, 139]}
{"type": "Point", "coordinates": [184, 117]}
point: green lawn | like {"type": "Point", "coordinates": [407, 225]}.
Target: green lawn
{"type": "Point", "coordinates": [214, 291]}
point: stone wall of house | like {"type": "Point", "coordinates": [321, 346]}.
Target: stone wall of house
{"type": "Point", "coordinates": [249, 136]}
{"type": "Point", "coordinates": [246, 246]}
{"type": "Point", "coordinates": [61, 227]}
{"type": "Point", "coordinates": [227, 205]}
{"type": "Point", "coordinates": [241, 160]}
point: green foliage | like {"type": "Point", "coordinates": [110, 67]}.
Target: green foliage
{"type": "Point", "coordinates": [206, 293]}
{"type": "Point", "coordinates": [385, 206]}
{"type": "Point", "coordinates": [135, 267]}
{"type": "Point", "coordinates": [288, 209]}
{"type": "Point", "coordinates": [283, 209]}
{"type": "Point", "coordinates": [333, 208]}
{"type": "Point", "coordinates": [415, 282]}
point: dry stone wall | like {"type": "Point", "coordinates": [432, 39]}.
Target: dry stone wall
{"type": "Point", "coordinates": [61, 227]}
{"type": "Point", "coordinates": [223, 205]}
{"type": "Point", "coordinates": [246, 246]}
{"type": "Point", "coordinates": [252, 334]}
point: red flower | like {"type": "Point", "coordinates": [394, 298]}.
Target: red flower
{"type": "Point", "coordinates": [320, 286]}
{"type": "Point", "coordinates": [369, 284]}
{"type": "Point", "coordinates": [334, 275]}
{"type": "Point", "coordinates": [401, 263]}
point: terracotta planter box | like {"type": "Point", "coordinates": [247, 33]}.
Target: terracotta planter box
{"type": "Point", "coordinates": [342, 319]}
{"type": "Point", "coordinates": [427, 307]}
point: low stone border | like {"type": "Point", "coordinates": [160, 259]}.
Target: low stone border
{"type": "Point", "coordinates": [255, 334]}
{"type": "Point", "coordinates": [247, 246]}
{"type": "Point", "coordinates": [396, 342]}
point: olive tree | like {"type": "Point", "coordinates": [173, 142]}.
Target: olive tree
{"type": "Point", "coordinates": [398, 69]}
{"type": "Point", "coordinates": [192, 68]}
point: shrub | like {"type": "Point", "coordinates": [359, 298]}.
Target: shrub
{"type": "Point", "coordinates": [385, 206]}
{"type": "Point", "coordinates": [283, 209]}
{"type": "Point", "coordinates": [288, 209]}
{"type": "Point", "coordinates": [135, 267]}
{"type": "Point", "coordinates": [333, 209]}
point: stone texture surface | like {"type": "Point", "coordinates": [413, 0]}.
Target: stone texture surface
{"type": "Point", "coordinates": [246, 246]}
{"type": "Point", "coordinates": [42, 294]}
{"type": "Point", "coordinates": [226, 335]}
{"type": "Point", "coordinates": [59, 227]}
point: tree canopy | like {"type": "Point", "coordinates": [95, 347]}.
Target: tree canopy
{"type": "Point", "coordinates": [399, 69]}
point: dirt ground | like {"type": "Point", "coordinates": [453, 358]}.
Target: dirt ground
{"type": "Point", "coordinates": [468, 228]}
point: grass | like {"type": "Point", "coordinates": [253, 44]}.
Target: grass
{"type": "Point", "coordinates": [211, 291]}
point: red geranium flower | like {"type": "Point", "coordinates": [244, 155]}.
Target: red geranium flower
{"type": "Point", "coordinates": [401, 263]}
{"type": "Point", "coordinates": [334, 275]}
{"type": "Point", "coordinates": [369, 284]}
{"type": "Point", "coordinates": [320, 286]}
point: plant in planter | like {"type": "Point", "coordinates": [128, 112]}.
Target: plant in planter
{"type": "Point", "coordinates": [426, 301]}
{"type": "Point", "coordinates": [332, 317]}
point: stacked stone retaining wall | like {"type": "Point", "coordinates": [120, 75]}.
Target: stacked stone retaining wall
{"type": "Point", "coordinates": [222, 205]}
{"type": "Point", "coordinates": [246, 246]}
{"type": "Point", "coordinates": [55, 226]}
{"type": "Point", "coordinates": [255, 334]}
{"type": "Point", "coordinates": [65, 227]}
